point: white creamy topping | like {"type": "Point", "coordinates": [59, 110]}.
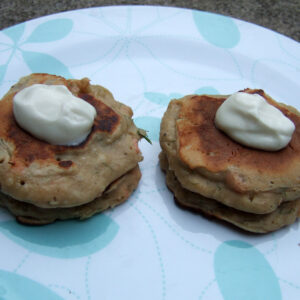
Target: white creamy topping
{"type": "Point", "coordinates": [53, 114]}
{"type": "Point", "coordinates": [250, 120]}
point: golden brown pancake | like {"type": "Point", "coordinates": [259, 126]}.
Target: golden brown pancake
{"type": "Point", "coordinates": [50, 176]}
{"type": "Point", "coordinates": [116, 193]}
{"type": "Point", "coordinates": [208, 162]}
{"type": "Point", "coordinates": [284, 215]}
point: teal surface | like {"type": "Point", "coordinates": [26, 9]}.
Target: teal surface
{"type": "Point", "coordinates": [38, 62]}
{"type": "Point", "coordinates": [218, 30]}
{"type": "Point", "coordinates": [63, 239]}
{"type": "Point", "coordinates": [160, 98]}
{"type": "Point", "coordinates": [164, 99]}
{"type": "Point", "coordinates": [15, 32]}
{"type": "Point", "coordinates": [45, 63]}
{"type": "Point", "coordinates": [17, 287]}
{"type": "Point", "coordinates": [242, 272]}
{"type": "Point", "coordinates": [208, 90]}
{"type": "Point", "coordinates": [151, 125]}
{"type": "Point", "coordinates": [50, 31]}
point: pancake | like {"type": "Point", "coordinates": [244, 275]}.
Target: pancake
{"type": "Point", "coordinates": [284, 215]}
{"type": "Point", "coordinates": [115, 194]}
{"type": "Point", "coordinates": [51, 176]}
{"type": "Point", "coordinates": [208, 162]}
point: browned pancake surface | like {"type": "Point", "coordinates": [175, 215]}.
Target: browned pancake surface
{"type": "Point", "coordinates": [52, 176]}
{"type": "Point", "coordinates": [202, 145]}
{"type": "Point", "coordinates": [28, 148]}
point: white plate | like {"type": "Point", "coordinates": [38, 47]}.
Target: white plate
{"type": "Point", "coordinates": [148, 248]}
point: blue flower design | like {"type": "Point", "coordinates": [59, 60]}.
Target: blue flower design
{"type": "Point", "coordinates": [37, 62]}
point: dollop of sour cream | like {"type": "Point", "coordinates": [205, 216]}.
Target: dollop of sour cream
{"type": "Point", "coordinates": [250, 120]}
{"type": "Point", "coordinates": [53, 114]}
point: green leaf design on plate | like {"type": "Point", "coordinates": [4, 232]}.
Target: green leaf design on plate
{"type": "Point", "coordinates": [50, 31]}
{"type": "Point", "coordinates": [161, 99]}
{"type": "Point", "coordinates": [15, 32]}
{"type": "Point", "coordinates": [175, 96]}
{"type": "Point", "coordinates": [240, 265]}
{"type": "Point", "coordinates": [207, 90]}
{"type": "Point", "coordinates": [45, 63]}
{"type": "Point", "coordinates": [157, 98]}
{"type": "Point", "coordinates": [17, 287]}
{"type": "Point", "coordinates": [218, 30]}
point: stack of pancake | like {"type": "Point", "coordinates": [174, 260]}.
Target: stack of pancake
{"type": "Point", "coordinates": [207, 171]}
{"type": "Point", "coordinates": [40, 182]}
